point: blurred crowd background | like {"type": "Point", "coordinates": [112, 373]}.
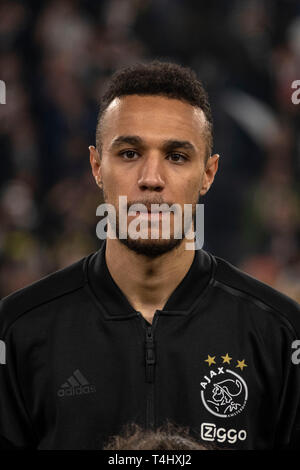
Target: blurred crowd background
{"type": "Point", "coordinates": [55, 58]}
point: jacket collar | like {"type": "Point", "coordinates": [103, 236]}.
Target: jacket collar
{"type": "Point", "coordinates": [181, 301]}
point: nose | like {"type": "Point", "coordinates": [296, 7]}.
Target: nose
{"type": "Point", "coordinates": [151, 176]}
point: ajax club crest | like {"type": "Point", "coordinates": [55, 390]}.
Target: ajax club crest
{"type": "Point", "coordinates": [224, 392]}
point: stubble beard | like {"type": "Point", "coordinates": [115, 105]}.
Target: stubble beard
{"type": "Point", "coordinates": [151, 248]}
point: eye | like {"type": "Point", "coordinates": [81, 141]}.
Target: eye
{"type": "Point", "coordinates": [129, 154]}
{"type": "Point", "coordinates": [177, 157]}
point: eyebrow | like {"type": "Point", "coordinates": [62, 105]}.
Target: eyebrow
{"type": "Point", "coordinates": [167, 145]}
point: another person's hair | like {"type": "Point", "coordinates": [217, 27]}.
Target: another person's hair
{"type": "Point", "coordinates": [168, 436]}
{"type": "Point", "coordinates": [158, 78]}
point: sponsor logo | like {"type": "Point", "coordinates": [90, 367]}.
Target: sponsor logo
{"type": "Point", "coordinates": [210, 432]}
{"type": "Point", "coordinates": [224, 393]}
{"type": "Point", "coordinates": [76, 385]}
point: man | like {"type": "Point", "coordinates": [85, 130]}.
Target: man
{"type": "Point", "coordinates": [146, 330]}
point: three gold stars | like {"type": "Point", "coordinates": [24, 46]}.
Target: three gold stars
{"type": "Point", "coordinates": [226, 360]}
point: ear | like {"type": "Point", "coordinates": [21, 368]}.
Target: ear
{"type": "Point", "coordinates": [209, 173]}
{"type": "Point", "coordinates": [95, 165]}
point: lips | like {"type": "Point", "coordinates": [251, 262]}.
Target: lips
{"type": "Point", "coordinates": [147, 211]}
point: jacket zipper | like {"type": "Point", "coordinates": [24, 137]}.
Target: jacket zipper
{"type": "Point", "coordinates": [150, 361]}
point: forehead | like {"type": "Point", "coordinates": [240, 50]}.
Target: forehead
{"type": "Point", "coordinates": [150, 116]}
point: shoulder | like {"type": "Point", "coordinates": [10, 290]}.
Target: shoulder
{"type": "Point", "coordinates": [261, 296]}
{"type": "Point", "coordinates": [53, 286]}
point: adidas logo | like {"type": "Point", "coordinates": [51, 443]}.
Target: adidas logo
{"type": "Point", "coordinates": [76, 385]}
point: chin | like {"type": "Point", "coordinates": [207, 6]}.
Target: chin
{"type": "Point", "coordinates": [151, 248]}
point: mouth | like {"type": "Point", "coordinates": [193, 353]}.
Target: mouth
{"type": "Point", "coordinates": [154, 216]}
{"type": "Point", "coordinates": [150, 213]}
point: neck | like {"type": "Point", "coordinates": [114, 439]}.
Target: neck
{"type": "Point", "coordinates": [147, 282]}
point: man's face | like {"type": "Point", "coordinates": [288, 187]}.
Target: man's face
{"type": "Point", "coordinates": [153, 151]}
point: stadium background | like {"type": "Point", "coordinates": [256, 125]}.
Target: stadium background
{"type": "Point", "coordinates": [55, 57]}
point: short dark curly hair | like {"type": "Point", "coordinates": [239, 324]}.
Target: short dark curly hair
{"type": "Point", "coordinates": [168, 436]}
{"type": "Point", "coordinates": [158, 78]}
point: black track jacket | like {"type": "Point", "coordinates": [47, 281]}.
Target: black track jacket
{"type": "Point", "coordinates": [78, 361]}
